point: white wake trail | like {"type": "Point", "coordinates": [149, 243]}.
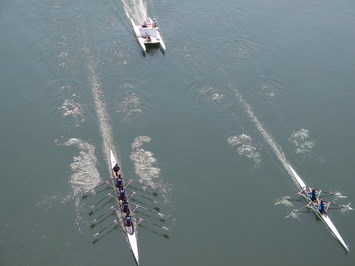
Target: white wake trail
{"type": "Point", "coordinates": [101, 109]}
{"type": "Point", "coordinates": [135, 9]}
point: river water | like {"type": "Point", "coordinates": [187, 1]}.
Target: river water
{"type": "Point", "coordinates": [244, 89]}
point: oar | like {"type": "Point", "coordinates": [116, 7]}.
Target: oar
{"type": "Point", "coordinates": [142, 184]}
{"type": "Point", "coordinates": [341, 206]}
{"type": "Point", "coordinates": [114, 222]}
{"type": "Point", "coordinates": [103, 183]}
{"type": "Point", "coordinates": [108, 195]}
{"type": "Point", "coordinates": [135, 193]}
{"type": "Point", "coordinates": [84, 195]}
{"type": "Point", "coordinates": [158, 213]}
{"type": "Point", "coordinates": [298, 193]}
{"type": "Point", "coordinates": [158, 225]}
{"type": "Point", "coordinates": [111, 208]}
{"type": "Point", "coordinates": [330, 193]}
{"type": "Point", "coordinates": [143, 203]}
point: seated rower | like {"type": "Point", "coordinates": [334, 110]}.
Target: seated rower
{"type": "Point", "coordinates": [119, 181]}
{"type": "Point", "coordinates": [116, 170]}
{"type": "Point", "coordinates": [312, 194]}
{"type": "Point", "coordinates": [125, 207]}
{"type": "Point", "coordinates": [122, 194]}
{"type": "Point", "coordinates": [128, 220]}
{"type": "Point", "coordinates": [144, 24]}
{"type": "Point", "coordinates": [320, 204]}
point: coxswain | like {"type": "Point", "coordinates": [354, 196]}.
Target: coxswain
{"type": "Point", "coordinates": [125, 207]}
{"type": "Point", "coordinates": [321, 206]}
{"type": "Point", "coordinates": [144, 24]}
{"type": "Point", "coordinates": [119, 181]}
{"type": "Point", "coordinates": [122, 194]}
{"type": "Point", "coordinates": [312, 194]}
{"type": "Point", "coordinates": [116, 170]}
{"type": "Point", "coordinates": [128, 220]}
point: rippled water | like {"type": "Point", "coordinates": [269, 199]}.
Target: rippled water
{"type": "Point", "coordinates": [243, 90]}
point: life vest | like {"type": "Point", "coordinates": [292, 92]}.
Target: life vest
{"type": "Point", "coordinates": [122, 193]}
{"type": "Point", "coordinates": [321, 207]}
{"type": "Point", "coordinates": [128, 221]}
{"type": "Point", "coordinates": [118, 182]}
{"type": "Point", "coordinates": [312, 194]}
{"type": "Point", "coordinates": [125, 207]}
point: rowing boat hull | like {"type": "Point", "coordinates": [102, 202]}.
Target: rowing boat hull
{"type": "Point", "coordinates": [323, 217]}
{"type": "Point", "coordinates": [130, 232]}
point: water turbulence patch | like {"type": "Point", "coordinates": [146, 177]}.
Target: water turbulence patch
{"type": "Point", "coordinates": [266, 91]}
{"type": "Point", "coordinates": [301, 139]}
{"type": "Point", "coordinates": [213, 94]}
{"type": "Point", "coordinates": [243, 144]}
{"type": "Point", "coordinates": [146, 166]}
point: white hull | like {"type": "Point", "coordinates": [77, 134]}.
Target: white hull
{"type": "Point", "coordinates": [130, 231]}
{"type": "Point", "coordinates": [324, 217]}
{"type": "Point", "coordinates": [148, 35]}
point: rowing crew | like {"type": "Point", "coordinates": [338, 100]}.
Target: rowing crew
{"type": "Point", "coordinates": [122, 194]}
{"type": "Point", "coordinates": [316, 201]}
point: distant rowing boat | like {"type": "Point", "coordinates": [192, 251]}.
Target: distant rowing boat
{"type": "Point", "coordinates": [130, 231]}
{"type": "Point", "coordinates": [323, 217]}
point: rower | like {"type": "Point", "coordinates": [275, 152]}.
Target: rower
{"type": "Point", "coordinates": [312, 194]}
{"type": "Point", "coordinates": [320, 204]}
{"type": "Point", "coordinates": [128, 220]}
{"type": "Point", "coordinates": [125, 207]}
{"type": "Point", "coordinates": [116, 170]}
{"type": "Point", "coordinates": [122, 194]}
{"type": "Point", "coordinates": [119, 181]}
